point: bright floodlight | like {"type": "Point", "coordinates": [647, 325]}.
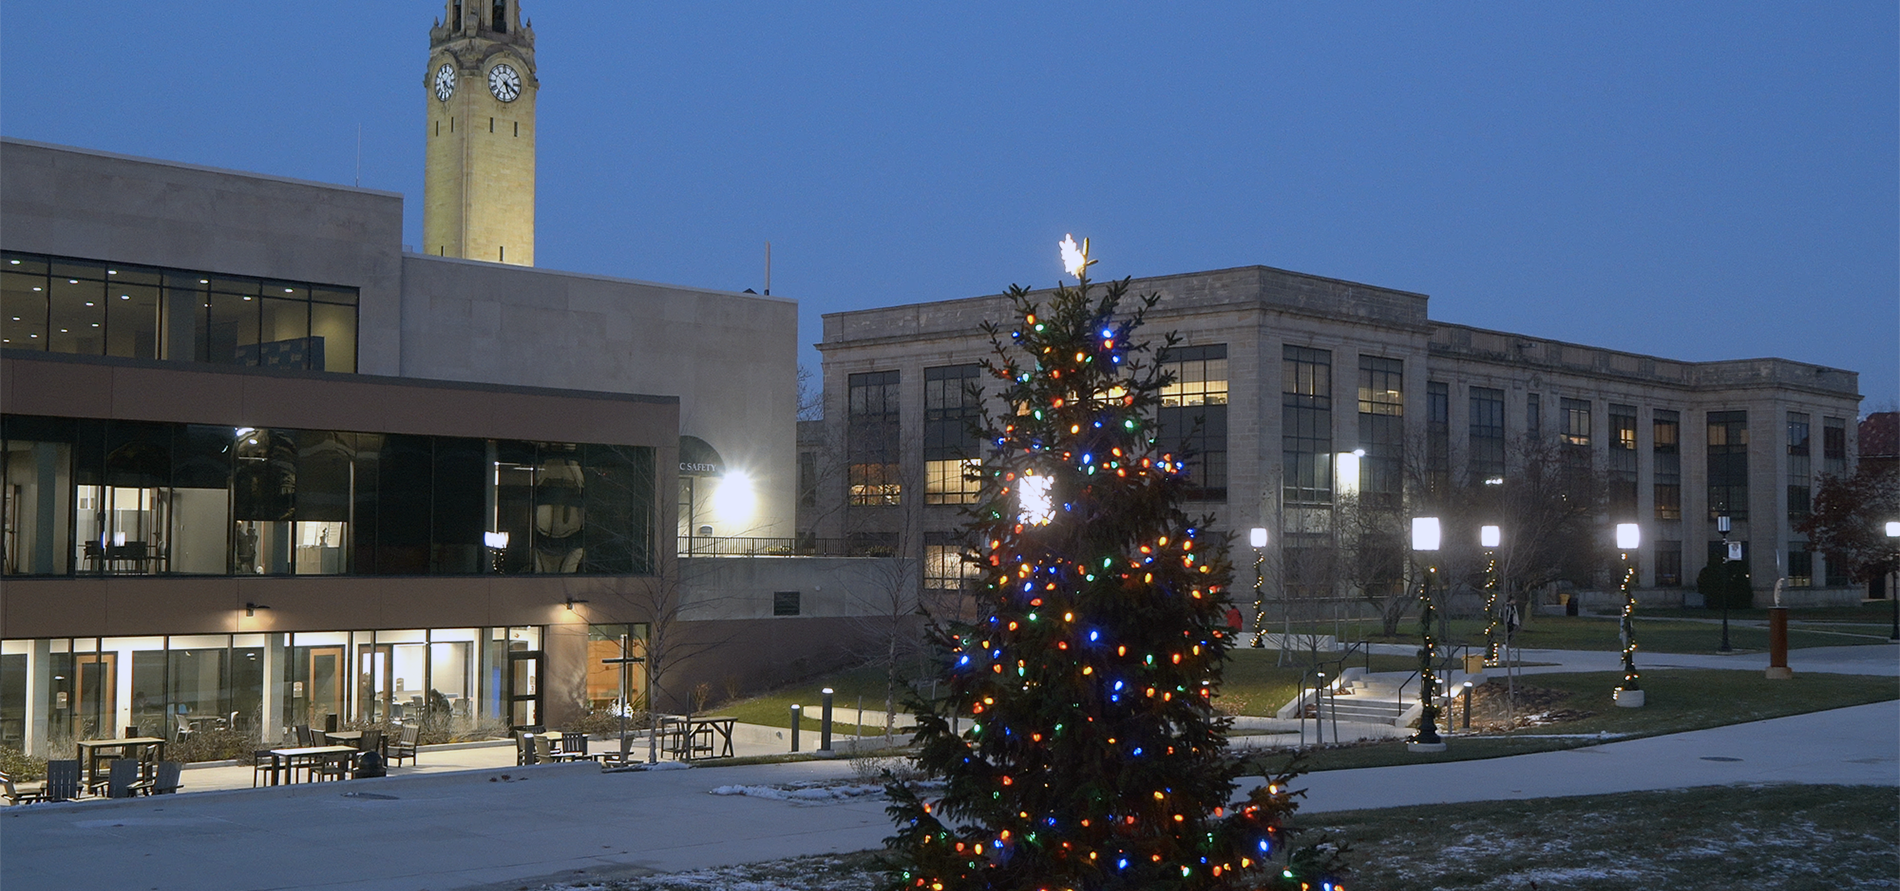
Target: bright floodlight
{"type": "Point", "coordinates": [1258, 536]}
{"type": "Point", "coordinates": [496, 540]}
{"type": "Point", "coordinates": [1893, 529]}
{"type": "Point", "coordinates": [734, 501]}
{"type": "Point", "coordinates": [1722, 523]}
{"type": "Point", "coordinates": [1424, 533]}
{"type": "Point", "coordinates": [1489, 536]}
{"type": "Point", "coordinates": [1628, 536]}
{"type": "Point", "coordinates": [1035, 506]}
{"type": "Point", "coordinates": [1348, 471]}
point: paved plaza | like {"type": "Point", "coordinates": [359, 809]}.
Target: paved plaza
{"type": "Point", "coordinates": [456, 822]}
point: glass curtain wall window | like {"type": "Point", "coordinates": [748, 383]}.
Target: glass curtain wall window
{"type": "Point", "coordinates": [951, 452]}
{"type": "Point", "coordinates": [137, 498]}
{"type": "Point", "coordinates": [1382, 431]}
{"type": "Point", "coordinates": [1728, 464]}
{"type": "Point", "coordinates": [100, 308]}
{"type": "Point", "coordinates": [1193, 416]}
{"type": "Point", "coordinates": [1666, 446]}
{"type": "Point", "coordinates": [1306, 425]}
{"type": "Point", "coordinates": [872, 439]}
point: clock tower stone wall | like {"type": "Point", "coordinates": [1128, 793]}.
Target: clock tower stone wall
{"type": "Point", "coordinates": [478, 186]}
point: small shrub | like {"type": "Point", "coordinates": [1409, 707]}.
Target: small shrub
{"type": "Point", "coordinates": [213, 745]}
{"type": "Point", "coordinates": [21, 766]}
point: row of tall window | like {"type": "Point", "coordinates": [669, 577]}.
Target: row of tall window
{"type": "Point", "coordinates": [97, 308]}
{"type": "Point", "coordinates": [87, 497]}
{"type": "Point", "coordinates": [1192, 413]}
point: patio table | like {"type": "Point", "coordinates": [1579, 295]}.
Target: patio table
{"type": "Point", "coordinates": [149, 750]}
{"type": "Point", "coordinates": [284, 762]}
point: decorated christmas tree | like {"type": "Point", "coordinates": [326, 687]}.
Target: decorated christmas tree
{"type": "Point", "coordinates": [1078, 746]}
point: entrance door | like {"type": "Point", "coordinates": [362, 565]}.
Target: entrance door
{"type": "Point", "coordinates": [524, 689]}
{"type": "Point", "coordinates": [325, 694]}
{"type": "Point", "coordinates": [376, 684]}
{"type": "Point", "coordinates": [95, 691]}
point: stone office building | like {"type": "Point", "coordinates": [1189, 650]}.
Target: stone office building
{"type": "Point", "coordinates": [1290, 388]}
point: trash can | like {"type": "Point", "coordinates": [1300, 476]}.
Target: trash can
{"type": "Point", "coordinates": [370, 764]}
{"type": "Point", "coordinates": [1570, 604]}
{"type": "Point", "coordinates": [1474, 663]}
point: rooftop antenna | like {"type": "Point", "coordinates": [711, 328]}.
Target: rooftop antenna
{"type": "Point", "coordinates": [768, 269]}
{"type": "Point", "coordinates": [359, 155]}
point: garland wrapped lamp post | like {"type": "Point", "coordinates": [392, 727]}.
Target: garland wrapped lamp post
{"type": "Point", "coordinates": [1723, 525]}
{"type": "Point", "coordinates": [1425, 538]}
{"type": "Point", "coordinates": [1258, 538]}
{"type": "Point", "coordinates": [1629, 694]}
{"type": "Point", "coordinates": [1489, 537]}
{"type": "Point", "coordinates": [1893, 596]}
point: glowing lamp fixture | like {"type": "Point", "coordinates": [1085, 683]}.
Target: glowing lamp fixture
{"type": "Point", "coordinates": [1348, 471]}
{"type": "Point", "coordinates": [1489, 536]}
{"type": "Point", "coordinates": [1893, 529]}
{"type": "Point", "coordinates": [250, 609]}
{"type": "Point", "coordinates": [1628, 536]}
{"type": "Point", "coordinates": [734, 501]}
{"type": "Point", "coordinates": [496, 540]}
{"type": "Point", "coordinates": [1425, 533]}
{"type": "Point", "coordinates": [1036, 507]}
{"type": "Point", "coordinates": [1257, 537]}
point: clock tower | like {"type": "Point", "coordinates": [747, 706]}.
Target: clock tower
{"type": "Point", "coordinates": [478, 182]}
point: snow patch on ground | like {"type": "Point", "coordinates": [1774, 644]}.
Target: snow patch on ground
{"type": "Point", "coordinates": [808, 793]}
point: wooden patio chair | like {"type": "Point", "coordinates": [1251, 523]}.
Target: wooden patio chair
{"type": "Point", "coordinates": [62, 780]}
{"type": "Point", "coordinates": [167, 779]}
{"type": "Point", "coordinates": [524, 749]}
{"type": "Point", "coordinates": [21, 793]}
{"type": "Point", "coordinates": [372, 741]}
{"type": "Point", "coordinates": [405, 744]}
{"type": "Point", "coordinates": [573, 747]}
{"type": "Point", "coordinates": [260, 768]}
{"type": "Point", "coordinates": [124, 781]}
{"type": "Point", "coordinates": [543, 750]}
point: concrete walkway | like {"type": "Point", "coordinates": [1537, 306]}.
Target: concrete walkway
{"type": "Point", "coordinates": [452, 823]}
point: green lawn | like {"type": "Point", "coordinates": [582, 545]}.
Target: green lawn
{"type": "Point", "coordinates": [1676, 700]}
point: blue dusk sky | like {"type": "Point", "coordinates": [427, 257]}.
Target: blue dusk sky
{"type": "Point", "coordinates": [1691, 180]}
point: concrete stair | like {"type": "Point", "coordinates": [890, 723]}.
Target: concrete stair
{"type": "Point", "coordinates": [1382, 698]}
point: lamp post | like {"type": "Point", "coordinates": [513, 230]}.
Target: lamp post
{"type": "Point", "coordinates": [1489, 537]}
{"type": "Point", "coordinates": [1893, 596]}
{"type": "Point", "coordinates": [1425, 538]}
{"type": "Point", "coordinates": [1628, 538]}
{"type": "Point", "coordinates": [1258, 538]}
{"type": "Point", "coordinates": [1722, 525]}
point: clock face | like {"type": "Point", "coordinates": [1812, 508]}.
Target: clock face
{"type": "Point", "coordinates": [444, 82]}
{"type": "Point", "coordinates": [504, 82]}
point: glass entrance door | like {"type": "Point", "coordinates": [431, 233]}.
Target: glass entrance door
{"type": "Point", "coordinates": [96, 689]}
{"type": "Point", "coordinates": [524, 689]}
{"type": "Point", "coordinates": [325, 693]}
